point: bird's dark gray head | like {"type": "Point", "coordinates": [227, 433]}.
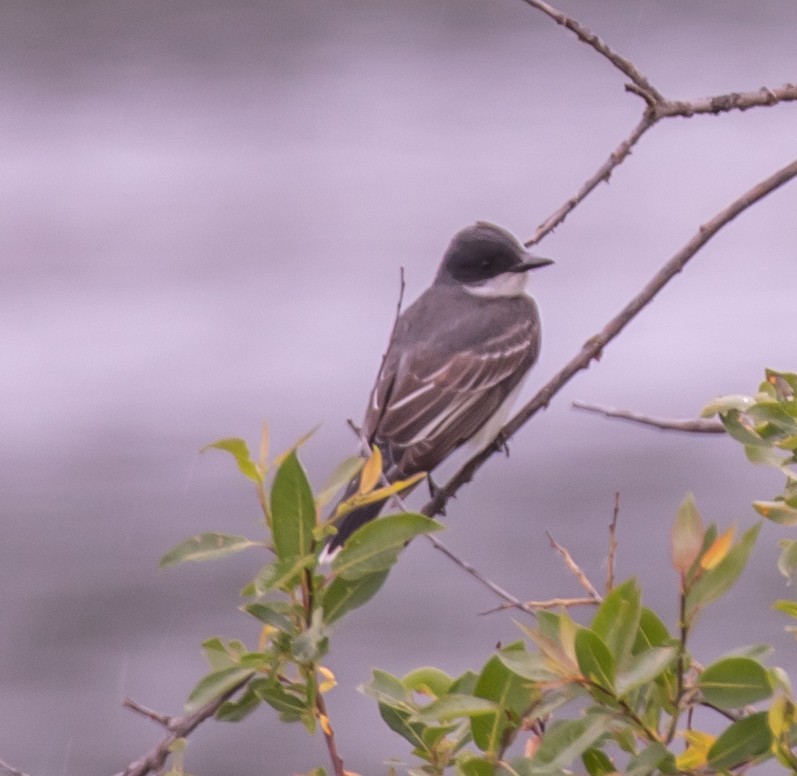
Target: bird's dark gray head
{"type": "Point", "coordinates": [482, 252]}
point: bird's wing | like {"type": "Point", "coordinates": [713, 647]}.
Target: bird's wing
{"type": "Point", "coordinates": [425, 404]}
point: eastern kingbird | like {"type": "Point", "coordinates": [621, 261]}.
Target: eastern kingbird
{"type": "Point", "coordinates": [455, 362]}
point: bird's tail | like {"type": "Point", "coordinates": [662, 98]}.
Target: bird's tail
{"type": "Point", "coordinates": [350, 523]}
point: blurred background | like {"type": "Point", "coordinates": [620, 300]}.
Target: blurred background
{"type": "Point", "coordinates": [203, 212]}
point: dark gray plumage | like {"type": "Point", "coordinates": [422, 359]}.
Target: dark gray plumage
{"type": "Point", "coordinates": [455, 361]}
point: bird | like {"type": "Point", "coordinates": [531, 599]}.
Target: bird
{"type": "Point", "coordinates": [455, 362]}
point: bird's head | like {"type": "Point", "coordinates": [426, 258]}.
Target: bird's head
{"type": "Point", "coordinates": [487, 261]}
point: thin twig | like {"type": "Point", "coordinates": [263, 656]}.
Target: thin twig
{"type": "Point", "coordinates": [691, 425]}
{"type": "Point", "coordinates": [602, 175]}
{"type": "Point", "coordinates": [179, 727]}
{"type": "Point", "coordinates": [512, 601]}
{"type": "Point", "coordinates": [329, 735]}
{"type": "Point", "coordinates": [723, 103]}
{"type": "Point", "coordinates": [593, 347]}
{"type": "Point", "coordinates": [574, 568]}
{"type": "Point", "coordinates": [612, 544]}
{"type": "Point", "coordinates": [657, 107]}
{"type": "Point", "coordinates": [550, 603]}
{"type": "Point", "coordinates": [585, 35]}
{"type": "Point", "coordinates": [155, 716]}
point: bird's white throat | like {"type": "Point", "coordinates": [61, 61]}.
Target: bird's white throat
{"type": "Point", "coordinates": [505, 284]}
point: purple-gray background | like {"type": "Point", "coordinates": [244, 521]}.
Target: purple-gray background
{"type": "Point", "coordinates": [203, 211]}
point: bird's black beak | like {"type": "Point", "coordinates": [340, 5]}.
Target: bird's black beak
{"type": "Point", "coordinates": [532, 262]}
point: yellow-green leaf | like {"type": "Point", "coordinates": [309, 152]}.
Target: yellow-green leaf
{"type": "Point", "coordinates": [718, 549]}
{"type": "Point", "coordinates": [379, 494]}
{"type": "Point", "coordinates": [696, 754]}
{"type": "Point", "coordinates": [206, 546]}
{"type": "Point", "coordinates": [240, 451]}
{"type": "Point", "coordinates": [687, 535]}
{"type": "Point", "coordinates": [372, 471]}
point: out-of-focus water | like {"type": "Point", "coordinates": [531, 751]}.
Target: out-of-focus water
{"type": "Point", "coordinates": [203, 213]}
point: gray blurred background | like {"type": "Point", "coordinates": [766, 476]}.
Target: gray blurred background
{"type": "Point", "coordinates": [204, 208]}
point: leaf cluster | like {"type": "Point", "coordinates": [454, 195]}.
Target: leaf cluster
{"type": "Point", "coordinates": [615, 695]}
{"type": "Point", "coordinates": [612, 696]}
{"type": "Point", "coordinates": [293, 597]}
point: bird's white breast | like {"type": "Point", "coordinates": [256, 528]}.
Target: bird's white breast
{"type": "Point", "coordinates": [505, 284]}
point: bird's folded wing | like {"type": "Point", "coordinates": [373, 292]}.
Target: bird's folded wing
{"type": "Point", "coordinates": [438, 402]}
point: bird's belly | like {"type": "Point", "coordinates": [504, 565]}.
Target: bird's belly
{"type": "Point", "coordinates": [485, 435]}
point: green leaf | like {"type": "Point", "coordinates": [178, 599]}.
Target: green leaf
{"type": "Point", "coordinates": [741, 430]}
{"type": "Point", "coordinates": [786, 606]}
{"type": "Point", "coordinates": [564, 741]}
{"type": "Point", "coordinates": [456, 706]}
{"type": "Point", "coordinates": [220, 655]}
{"type": "Point", "coordinates": [347, 470]}
{"type": "Point", "coordinates": [236, 710]}
{"type": "Point", "coordinates": [283, 573]}
{"type": "Point", "coordinates": [465, 683]}
{"type": "Point", "coordinates": [291, 707]}
{"type": "Point", "coordinates": [509, 692]}
{"type": "Point", "coordinates": [687, 535]}
{"type": "Point", "coordinates": [777, 511]}
{"type": "Point", "coordinates": [376, 546]}
{"type": "Point", "coordinates": [527, 665]}
{"type": "Point", "coordinates": [215, 684]}
{"type": "Point", "coordinates": [597, 763]}
{"type": "Point", "coordinates": [428, 681]}
{"type": "Point", "coordinates": [388, 689]}
{"type": "Point", "coordinates": [735, 682]}
{"type": "Point", "coordinates": [274, 613]}
{"type": "Point", "coordinates": [206, 546]}
{"type": "Point", "coordinates": [741, 741]}
{"type": "Point", "coordinates": [240, 451]}
{"type": "Point", "coordinates": [654, 758]}
{"type": "Point", "coordinates": [617, 620]}
{"type": "Point", "coordinates": [787, 561]}
{"type": "Point", "coordinates": [313, 643]}
{"type": "Point", "coordinates": [293, 514]}
{"type": "Point", "coordinates": [343, 595]}
{"type": "Point", "coordinates": [652, 631]}
{"type": "Point", "coordinates": [645, 667]}
{"type": "Point", "coordinates": [724, 404]}
{"type": "Point", "coordinates": [718, 580]}
{"type": "Point", "coordinates": [469, 764]}
{"type": "Point", "coordinates": [594, 659]}
{"type": "Point", "coordinates": [399, 722]}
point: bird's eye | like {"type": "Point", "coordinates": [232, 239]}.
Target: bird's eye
{"type": "Point", "coordinates": [486, 263]}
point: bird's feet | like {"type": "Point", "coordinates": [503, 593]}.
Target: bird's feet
{"type": "Point", "coordinates": [434, 491]}
{"type": "Point", "coordinates": [501, 444]}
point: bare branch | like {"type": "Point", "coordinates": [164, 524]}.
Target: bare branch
{"type": "Point", "coordinates": [612, 544]}
{"type": "Point", "coordinates": [691, 425]}
{"type": "Point", "coordinates": [602, 175]}
{"type": "Point", "coordinates": [575, 569]}
{"type": "Point", "coordinates": [550, 603]}
{"type": "Point", "coordinates": [329, 735]}
{"type": "Point", "coordinates": [155, 716]}
{"type": "Point", "coordinates": [179, 727]}
{"type": "Point", "coordinates": [512, 601]}
{"type": "Point", "coordinates": [643, 87]}
{"type": "Point", "coordinates": [593, 347]}
{"type": "Point", "coordinates": [657, 107]}
{"type": "Point", "coordinates": [722, 103]}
